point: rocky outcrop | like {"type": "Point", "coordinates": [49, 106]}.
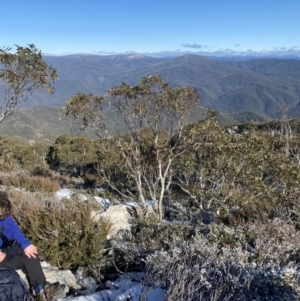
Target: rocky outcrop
{"type": "Point", "coordinates": [117, 215]}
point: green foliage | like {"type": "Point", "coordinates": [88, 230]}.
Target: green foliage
{"type": "Point", "coordinates": [64, 232]}
{"type": "Point", "coordinates": [85, 106]}
{"type": "Point", "coordinates": [42, 171]}
{"type": "Point", "coordinates": [152, 105]}
{"type": "Point", "coordinates": [151, 234]}
{"type": "Point", "coordinates": [148, 236]}
{"type": "Point", "coordinates": [76, 155]}
{"type": "Point", "coordinates": [15, 152]}
{"type": "Point", "coordinates": [239, 177]}
{"type": "Point", "coordinates": [7, 167]}
{"type": "Point", "coordinates": [23, 72]}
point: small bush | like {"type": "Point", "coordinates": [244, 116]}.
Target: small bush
{"type": "Point", "coordinates": [154, 235]}
{"type": "Point", "coordinates": [147, 236]}
{"type": "Point", "coordinates": [32, 184]}
{"type": "Point", "coordinates": [90, 180]}
{"type": "Point", "coordinates": [7, 167]}
{"type": "Point", "coordinates": [64, 232]}
{"type": "Point", "coordinates": [64, 180]}
{"type": "Point", "coordinates": [198, 272]}
{"type": "Point", "coordinates": [41, 172]}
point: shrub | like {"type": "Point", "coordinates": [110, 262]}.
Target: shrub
{"type": "Point", "coordinates": [199, 272]}
{"type": "Point", "coordinates": [64, 232]}
{"type": "Point", "coordinates": [7, 167]}
{"type": "Point", "coordinates": [253, 261]}
{"type": "Point", "coordinates": [32, 184]}
{"type": "Point", "coordinates": [91, 181]}
{"type": "Point", "coordinates": [147, 236]}
{"type": "Point", "coordinates": [153, 235]}
{"type": "Point", "coordinates": [64, 180]}
{"type": "Point", "coordinates": [41, 172]}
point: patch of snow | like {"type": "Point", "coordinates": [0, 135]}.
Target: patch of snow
{"type": "Point", "coordinates": [103, 202]}
{"type": "Point", "coordinates": [111, 285]}
{"type": "Point", "coordinates": [150, 203]}
{"type": "Point", "coordinates": [64, 193]}
{"type": "Point", "coordinates": [82, 197]}
{"type": "Point", "coordinates": [134, 204]}
{"type": "Point", "coordinates": [135, 56]}
{"type": "Point", "coordinates": [90, 286]}
{"type": "Point", "coordinates": [131, 204]}
{"type": "Point", "coordinates": [123, 289]}
{"type": "Point", "coordinates": [45, 264]}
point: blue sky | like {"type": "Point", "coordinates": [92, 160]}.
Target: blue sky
{"type": "Point", "coordinates": [144, 26]}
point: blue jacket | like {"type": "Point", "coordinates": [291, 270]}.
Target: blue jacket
{"type": "Point", "coordinates": [12, 231]}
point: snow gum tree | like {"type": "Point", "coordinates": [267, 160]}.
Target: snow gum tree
{"type": "Point", "coordinates": [23, 72]}
{"type": "Point", "coordinates": [153, 116]}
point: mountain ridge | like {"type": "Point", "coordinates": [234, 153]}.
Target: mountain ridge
{"type": "Point", "coordinates": [259, 86]}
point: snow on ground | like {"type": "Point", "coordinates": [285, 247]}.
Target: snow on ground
{"type": "Point", "coordinates": [124, 288]}
{"type": "Point", "coordinates": [64, 193]}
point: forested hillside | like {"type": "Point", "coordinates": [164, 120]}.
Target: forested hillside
{"type": "Point", "coordinates": [260, 86]}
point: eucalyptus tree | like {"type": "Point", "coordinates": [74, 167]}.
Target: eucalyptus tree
{"type": "Point", "coordinates": [153, 116]}
{"type": "Point", "coordinates": [23, 72]}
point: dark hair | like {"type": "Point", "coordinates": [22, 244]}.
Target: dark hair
{"type": "Point", "coordinates": [5, 205]}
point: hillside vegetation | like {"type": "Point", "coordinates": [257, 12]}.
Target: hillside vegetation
{"type": "Point", "coordinates": [214, 200]}
{"type": "Point", "coordinates": [231, 212]}
{"type": "Point", "coordinates": [44, 124]}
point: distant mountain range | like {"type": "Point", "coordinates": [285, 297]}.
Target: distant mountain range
{"type": "Point", "coordinates": [248, 89]}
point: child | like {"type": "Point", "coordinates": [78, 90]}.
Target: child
{"type": "Point", "coordinates": [17, 252]}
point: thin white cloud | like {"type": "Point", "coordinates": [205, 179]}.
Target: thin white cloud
{"type": "Point", "coordinates": [195, 46]}
{"type": "Point", "coordinates": [104, 52]}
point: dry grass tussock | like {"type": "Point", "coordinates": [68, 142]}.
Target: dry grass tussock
{"type": "Point", "coordinates": [30, 183]}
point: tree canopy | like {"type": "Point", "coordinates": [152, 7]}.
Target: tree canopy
{"type": "Point", "coordinates": [154, 115]}
{"type": "Point", "coordinates": [23, 72]}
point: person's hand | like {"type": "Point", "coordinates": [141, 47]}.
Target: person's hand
{"type": "Point", "coordinates": [2, 256]}
{"type": "Point", "coordinates": [31, 251]}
